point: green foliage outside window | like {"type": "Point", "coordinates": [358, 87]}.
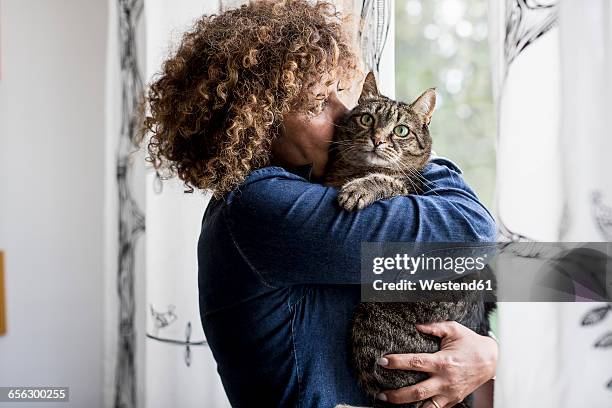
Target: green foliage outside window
{"type": "Point", "coordinates": [444, 44]}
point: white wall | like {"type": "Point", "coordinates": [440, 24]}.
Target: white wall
{"type": "Point", "coordinates": [51, 193]}
{"type": "Point", "coordinates": [113, 115]}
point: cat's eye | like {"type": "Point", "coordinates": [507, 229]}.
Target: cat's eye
{"type": "Point", "coordinates": [401, 131]}
{"type": "Point", "coordinates": [366, 119]}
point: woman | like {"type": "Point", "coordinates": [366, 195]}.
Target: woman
{"type": "Point", "coordinates": [246, 108]}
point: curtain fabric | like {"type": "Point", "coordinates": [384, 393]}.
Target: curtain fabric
{"type": "Point", "coordinates": [551, 72]}
{"type": "Point", "coordinates": [180, 369]}
{"type": "Point", "coordinates": [124, 209]}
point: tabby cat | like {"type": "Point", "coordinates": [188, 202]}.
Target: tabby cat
{"type": "Point", "coordinates": [380, 148]}
{"type": "Point", "coordinates": [378, 152]}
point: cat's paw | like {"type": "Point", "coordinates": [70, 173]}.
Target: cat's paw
{"type": "Point", "coordinates": [355, 196]}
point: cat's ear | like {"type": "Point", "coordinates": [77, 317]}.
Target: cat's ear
{"type": "Point", "coordinates": [369, 90]}
{"type": "Point", "coordinates": [425, 105]}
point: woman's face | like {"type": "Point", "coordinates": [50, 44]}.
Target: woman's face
{"type": "Point", "coordinates": [305, 137]}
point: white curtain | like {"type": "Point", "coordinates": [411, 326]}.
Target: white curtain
{"type": "Point", "coordinates": [124, 280]}
{"type": "Point", "coordinates": [180, 369]}
{"type": "Point", "coordinates": [552, 83]}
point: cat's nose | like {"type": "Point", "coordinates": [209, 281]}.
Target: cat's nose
{"type": "Point", "coordinates": [377, 141]}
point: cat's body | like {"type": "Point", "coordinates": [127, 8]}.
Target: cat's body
{"type": "Point", "coordinates": [378, 153]}
{"type": "Point", "coordinates": [390, 328]}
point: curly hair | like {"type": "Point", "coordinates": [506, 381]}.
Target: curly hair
{"type": "Point", "coordinates": [217, 105]}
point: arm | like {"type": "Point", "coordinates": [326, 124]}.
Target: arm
{"type": "Point", "coordinates": [276, 210]}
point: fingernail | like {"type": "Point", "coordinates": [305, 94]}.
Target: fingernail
{"type": "Point", "coordinates": [382, 361]}
{"type": "Point", "coordinates": [381, 397]}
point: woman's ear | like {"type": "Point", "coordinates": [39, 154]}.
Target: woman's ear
{"type": "Point", "coordinates": [425, 104]}
{"type": "Point", "coordinates": [369, 90]}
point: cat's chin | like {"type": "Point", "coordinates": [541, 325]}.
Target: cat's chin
{"type": "Point", "coordinates": [375, 160]}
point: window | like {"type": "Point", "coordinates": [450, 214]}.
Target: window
{"type": "Point", "coordinates": [444, 44]}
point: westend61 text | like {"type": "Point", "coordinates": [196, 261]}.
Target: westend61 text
{"type": "Point", "coordinates": [430, 284]}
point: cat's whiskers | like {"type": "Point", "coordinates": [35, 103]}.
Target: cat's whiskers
{"type": "Point", "coordinates": [391, 156]}
{"type": "Point", "coordinates": [412, 171]}
{"type": "Point", "coordinates": [337, 125]}
{"type": "Point", "coordinates": [341, 147]}
{"type": "Point", "coordinates": [342, 142]}
{"type": "Point", "coordinates": [407, 176]}
{"type": "Point", "coordinates": [344, 152]}
{"type": "Point", "coordinates": [416, 173]}
{"type": "Point", "coordinates": [403, 167]}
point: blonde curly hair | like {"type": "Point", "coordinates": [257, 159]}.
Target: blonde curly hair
{"type": "Point", "coordinates": [218, 103]}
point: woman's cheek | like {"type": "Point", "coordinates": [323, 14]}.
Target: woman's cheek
{"type": "Point", "coordinates": [323, 133]}
{"type": "Point", "coordinates": [324, 126]}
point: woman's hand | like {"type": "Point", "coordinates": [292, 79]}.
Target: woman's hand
{"type": "Point", "coordinates": [466, 360]}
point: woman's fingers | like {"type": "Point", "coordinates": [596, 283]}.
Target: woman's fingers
{"type": "Point", "coordinates": [440, 329]}
{"type": "Point", "coordinates": [424, 362]}
{"type": "Point", "coordinates": [418, 392]}
{"type": "Point", "coordinates": [442, 401]}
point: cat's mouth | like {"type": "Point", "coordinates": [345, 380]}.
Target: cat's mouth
{"type": "Point", "coordinates": [374, 157]}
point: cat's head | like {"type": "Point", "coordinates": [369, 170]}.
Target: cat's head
{"type": "Point", "coordinates": [381, 132]}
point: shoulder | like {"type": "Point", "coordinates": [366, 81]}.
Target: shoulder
{"type": "Point", "coordinates": [274, 191]}
{"type": "Point", "coordinates": [271, 180]}
{"type": "Point", "coordinates": [436, 162]}
{"type": "Point", "coordinates": [442, 172]}
{"type": "Point", "coordinates": [269, 174]}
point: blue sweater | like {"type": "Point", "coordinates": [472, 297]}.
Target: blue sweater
{"type": "Point", "coordinates": [279, 268]}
